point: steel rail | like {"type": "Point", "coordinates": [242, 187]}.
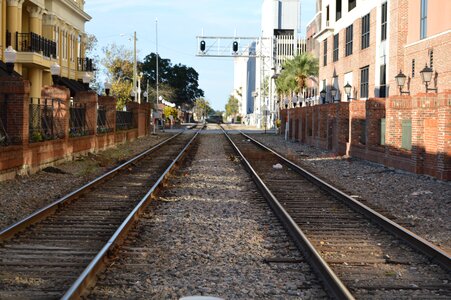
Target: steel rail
{"type": "Point", "coordinates": [44, 212]}
{"type": "Point", "coordinates": [87, 276]}
{"type": "Point", "coordinates": [417, 242]}
{"type": "Point", "coordinates": [333, 284]}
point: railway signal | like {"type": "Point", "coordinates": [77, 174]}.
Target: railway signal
{"type": "Point", "coordinates": [235, 47]}
{"type": "Point", "coordinates": [202, 46]}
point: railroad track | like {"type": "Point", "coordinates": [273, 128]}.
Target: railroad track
{"type": "Point", "coordinates": [56, 252]}
{"type": "Point", "coordinates": [356, 251]}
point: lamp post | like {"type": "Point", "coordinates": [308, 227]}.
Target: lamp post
{"type": "Point", "coordinates": [86, 79]}
{"type": "Point", "coordinates": [10, 56]}
{"type": "Point", "coordinates": [265, 114]}
{"type": "Point", "coordinates": [288, 119]}
{"type": "Point", "coordinates": [138, 89]}
{"type": "Point", "coordinates": [108, 86]}
{"type": "Point", "coordinates": [333, 93]}
{"type": "Point", "coordinates": [400, 81]}
{"type": "Point", "coordinates": [133, 95]}
{"type": "Point", "coordinates": [322, 94]}
{"type": "Point", "coordinates": [348, 89]}
{"type": "Point", "coordinates": [145, 95]}
{"type": "Point", "coordinates": [426, 76]}
{"type": "Point", "coordinates": [55, 71]}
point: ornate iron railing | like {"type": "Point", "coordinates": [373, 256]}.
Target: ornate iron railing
{"type": "Point", "coordinates": [124, 120]}
{"type": "Point", "coordinates": [32, 42]}
{"type": "Point", "coordinates": [103, 126]}
{"type": "Point", "coordinates": [46, 120]}
{"type": "Point", "coordinates": [78, 125]}
{"type": "Point", "coordinates": [85, 64]}
{"type": "Point", "coordinates": [4, 138]}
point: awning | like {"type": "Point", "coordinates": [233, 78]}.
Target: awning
{"type": "Point", "coordinates": [73, 85]}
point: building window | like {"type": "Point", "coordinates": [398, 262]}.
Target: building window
{"type": "Point", "coordinates": [423, 19]}
{"type": "Point", "coordinates": [413, 68]}
{"type": "Point", "coordinates": [325, 53]}
{"type": "Point", "coordinates": [383, 82]}
{"type": "Point", "coordinates": [336, 47]}
{"type": "Point", "coordinates": [366, 31]}
{"type": "Point", "coordinates": [327, 16]}
{"type": "Point", "coordinates": [337, 10]}
{"type": "Point", "coordinates": [349, 35]}
{"type": "Point", "coordinates": [364, 74]}
{"type": "Point", "coordinates": [384, 22]}
{"type": "Point", "coordinates": [351, 4]}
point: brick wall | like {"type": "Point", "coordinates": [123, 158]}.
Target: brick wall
{"type": "Point", "coordinates": [23, 157]}
{"type": "Point", "coordinates": [429, 117]}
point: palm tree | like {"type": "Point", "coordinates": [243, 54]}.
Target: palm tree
{"type": "Point", "coordinates": [296, 71]}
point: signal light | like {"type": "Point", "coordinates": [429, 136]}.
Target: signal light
{"type": "Point", "coordinates": [235, 46]}
{"type": "Point", "coordinates": [202, 46]}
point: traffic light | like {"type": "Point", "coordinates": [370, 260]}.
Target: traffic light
{"type": "Point", "coordinates": [202, 46]}
{"type": "Point", "coordinates": [235, 47]}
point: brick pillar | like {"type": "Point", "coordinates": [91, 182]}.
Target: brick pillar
{"type": "Point", "coordinates": [444, 138]}
{"type": "Point", "coordinates": [109, 104]}
{"type": "Point", "coordinates": [14, 91]}
{"type": "Point", "coordinates": [89, 98]}
{"type": "Point", "coordinates": [141, 116]}
{"type": "Point", "coordinates": [61, 113]}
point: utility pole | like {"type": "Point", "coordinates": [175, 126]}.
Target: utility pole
{"type": "Point", "coordinates": [135, 68]}
{"type": "Point", "coordinates": [157, 112]}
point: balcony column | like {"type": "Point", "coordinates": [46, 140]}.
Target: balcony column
{"type": "Point", "coordinates": [35, 19]}
{"type": "Point", "coordinates": [14, 24]}
{"type": "Point", "coordinates": [35, 74]}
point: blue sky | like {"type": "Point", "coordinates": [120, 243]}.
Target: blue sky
{"type": "Point", "coordinates": [179, 22]}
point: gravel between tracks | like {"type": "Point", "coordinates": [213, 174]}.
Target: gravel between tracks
{"type": "Point", "coordinates": [25, 194]}
{"type": "Point", "coordinates": [420, 203]}
{"type": "Point", "coordinates": [210, 235]}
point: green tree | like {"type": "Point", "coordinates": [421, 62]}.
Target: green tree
{"type": "Point", "coordinates": [118, 62]}
{"type": "Point", "coordinates": [180, 81]}
{"type": "Point", "coordinates": [295, 74]}
{"type": "Point", "coordinates": [202, 108]}
{"type": "Point", "coordinates": [170, 111]}
{"type": "Point", "coordinates": [231, 108]}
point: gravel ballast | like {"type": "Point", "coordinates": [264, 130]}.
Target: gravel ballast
{"type": "Point", "coordinates": [420, 203]}
{"type": "Point", "coordinates": [26, 194]}
{"type": "Point", "coordinates": [212, 234]}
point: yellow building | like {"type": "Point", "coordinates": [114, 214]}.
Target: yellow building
{"type": "Point", "coordinates": [44, 32]}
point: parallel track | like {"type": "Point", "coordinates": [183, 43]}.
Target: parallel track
{"type": "Point", "coordinates": [356, 251]}
{"type": "Point", "coordinates": [56, 252]}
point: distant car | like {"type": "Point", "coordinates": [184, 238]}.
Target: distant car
{"type": "Point", "coordinates": [214, 119]}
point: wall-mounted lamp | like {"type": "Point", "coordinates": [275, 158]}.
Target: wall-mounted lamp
{"type": "Point", "coordinates": [333, 93]}
{"type": "Point", "coordinates": [323, 95]}
{"type": "Point", "coordinates": [426, 76]}
{"type": "Point", "coordinates": [108, 86]}
{"type": "Point", "coordinates": [400, 81]}
{"type": "Point", "coordinates": [348, 89]}
{"type": "Point", "coordinates": [55, 71]}
{"type": "Point", "coordinates": [10, 56]}
{"type": "Point", "coordinates": [86, 79]}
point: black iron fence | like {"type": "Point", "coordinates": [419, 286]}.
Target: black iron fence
{"type": "Point", "coordinates": [4, 139]}
{"type": "Point", "coordinates": [103, 125]}
{"type": "Point", "coordinates": [32, 42]}
{"type": "Point", "coordinates": [78, 125]}
{"type": "Point", "coordinates": [45, 120]}
{"type": "Point", "coordinates": [124, 120]}
{"type": "Point", "coordinates": [85, 64]}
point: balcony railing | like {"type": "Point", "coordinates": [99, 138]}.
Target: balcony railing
{"type": "Point", "coordinates": [85, 64]}
{"type": "Point", "coordinates": [32, 42]}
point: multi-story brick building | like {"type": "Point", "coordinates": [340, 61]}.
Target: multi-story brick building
{"type": "Point", "coordinates": [367, 43]}
{"type": "Point", "coordinates": [44, 33]}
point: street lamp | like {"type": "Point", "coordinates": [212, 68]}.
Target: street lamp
{"type": "Point", "coordinates": [10, 56]}
{"type": "Point", "coordinates": [86, 79]}
{"type": "Point", "coordinates": [400, 81]}
{"type": "Point", "coordinates": [108, 86]}
{"type": "Point", "coordinates": [295, 101]}
{"type": "Point", "coordinates": [132, 95]}
{"type": "Point", "coordinates": [323, 95]}
{"type": "Point", "coordinates": [288, 119]}
{"type": "Point", "coordinates": [333, 93]}
{"type": "Point", "coordinates": [426, 76]}
{"type": "Point", "coordinates": [55, 71]}
{"type": "Point", "coordinates": [146, 95]}
{"type": "Point", "coordinates": [348, 89]}
{"type": "Point", "coordinates": [265, 113]}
